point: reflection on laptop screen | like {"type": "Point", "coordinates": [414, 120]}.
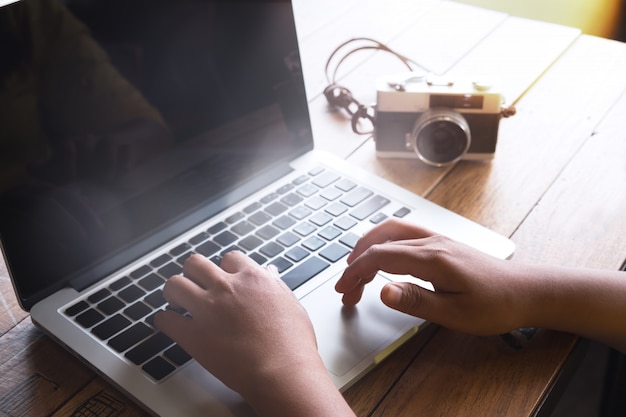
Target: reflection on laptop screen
{"type": "Point", "coordinates": [123, 120]}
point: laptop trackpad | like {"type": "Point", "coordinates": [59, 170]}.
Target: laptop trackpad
{"type": "Point", "coordinates": [348, 335]}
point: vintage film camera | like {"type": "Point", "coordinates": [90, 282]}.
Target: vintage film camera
{"type": "Point", "coordinates": [439, 120]}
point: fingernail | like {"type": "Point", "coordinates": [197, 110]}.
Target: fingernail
{"type": "Point", "coordinates": [393, 294]}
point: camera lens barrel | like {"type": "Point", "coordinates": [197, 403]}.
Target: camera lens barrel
{"type": "Point", "coordinates": [439, 137]}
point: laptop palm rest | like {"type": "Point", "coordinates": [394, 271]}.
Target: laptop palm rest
{"type": "Point", "coordinates": [352, 339]}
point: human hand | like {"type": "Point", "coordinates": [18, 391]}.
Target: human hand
{"type": "Point", "coordinates": [474, 292]}
{"type": "Point", "coordinates": [245, 323]}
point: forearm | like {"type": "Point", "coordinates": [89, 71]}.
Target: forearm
{"type": "Point", "coordinates": [590, 303]}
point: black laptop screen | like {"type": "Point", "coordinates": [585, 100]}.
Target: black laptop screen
{"type": "Point", "coordinates": [122, 121]}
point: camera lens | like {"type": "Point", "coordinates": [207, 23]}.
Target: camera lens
{"type": "Point", "coordinates": [440, 137]}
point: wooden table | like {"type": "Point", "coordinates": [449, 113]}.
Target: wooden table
{"type": "Point", "coordinates": [556, 187]}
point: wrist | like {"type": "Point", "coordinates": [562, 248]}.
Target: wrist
{"type": "Point", "coordinates": [299, 389]}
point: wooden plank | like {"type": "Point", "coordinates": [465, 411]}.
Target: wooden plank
{"type": "Point", "coordinates": [461, 375]}
{"type": "Point", "coordinates": [587, 203]}
{"type": "Point", "coordinates": [99, 399]}
{"type": "Point", "coordinates": [38, 375]}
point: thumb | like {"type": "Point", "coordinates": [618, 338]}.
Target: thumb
{"type": "Point", "coordinates": [408, 298]}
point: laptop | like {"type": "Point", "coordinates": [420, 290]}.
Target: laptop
{"type": "Point", "coordinates": [139, 132]}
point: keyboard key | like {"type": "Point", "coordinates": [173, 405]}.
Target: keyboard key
{"type": "Point", "coordinates": [177, 355]}
{"type": "Point", "coordinates": [402, 212]}
{"type": "Point", "coordinates": [301, 179]}
{"type": "Point", "coordinates": [252, 208]}
{"type": "Point", "coordinates": [304, 229]}
{"type": "Point", "coordinates": [316, 171]}
{"type": "Point", "coordinates": [137, 310]}
{"type": "Point", "coordinates": [285, 188]}
{"type": "Point", "coordinates": [305, 271]}
{"type": "Point", "coordinates": [181, 259]}
{"type": "Point", "coordinates": [225, 238]}
{"type": "Point", "coordinates": [217, 227]}
{"type": "Point", "coordinates": [281, 264]}
{"type": "Point", "coordinates": [140, 272]}
{"type": "Point", "coordinates": [307, 190]}
{"type": "Point", "coordinates": [250, 242]}
{"type": "Point", "coordinates": [170, 269]}
{"type": "Point", "coordinates": [325, 179]}
{"type": "Point", "coordinates": [276, 208]}
{"type": "Point", "coordinates": [288, 239]}
{"type": "Point", "coordinates": [320, 219]}
{"type": "Point", "coordinates": [336, 209]}
{"type": "Point", "coordinates": [260, 259]}
{"type": "Point", "coordinates": [89, 318]}
{"type": "Point", "coordinates": [160, 260]}
{"type": "Point", "coordinates": [271, 249]}
{"type": "Point", "coordinates": [349, 239]}
{"type": "Point", "coordinates": [313, 243]}
{"type": "Point", "coordinates": [356, 196]}
{"type": "Point", "coordinates": [110, 305]}
{"type": "Point", "coordinates": [180, 249]}
{"type": "Point", "coordinates": [208, 248]}
{"type": "Point", "coordinates": [158, 368]}
{"type": "Point", "coordinates": [148, 348]}
{"type": "Point", "coordinates": [291, 199]}
{"type": "Point", "coordinates": [345, 223]}
{"type": "Point", "coordinates": [199, 238]}
{"type": "Point", "coordinates": [234, 218]}
{"type": "Point", "coordinates": [284, 222]}
{"type": "Point", "coordinates": [300, 213]}
{"type": "Point", "coordinates": [315, 203]}
{"type": "Point", "coordinates": [119, 284]}
{"type": "Point", "coordinates": [297, 254]}
{"type": "Point", "coordinates": [267, 232]}
{"type": "Point", "coordinates": [130, 337]}
{"type": "Point", "coordinates": [345, 184]}
{"type": "Point", "coordinates": [329, 233]}
{"type": "Point", "coordinates": [331, 194]}
{"type": "Point", "coordinates": [130, 294]}
{"type": "Point", "coordinates": [76, 308]}
{"type": "Point", "coordinates": [269, 198]}
{"type": "Point", "coordinates": [150, 283]}
{"type": "Point", "coordinates": [259, 218]}
{"type": "Point", "coordinates": [369, 207]}
{"type": "Point", "coordinates": [334, 252]}
{"type": "Point", "coordinates": [378, 218]}
{"type": "Point", "coordinates": [155, 299]}
{"type": "Point", "coordinates": [111, 326]}
{"type": "Point", "coordinates": [243, 228]}
{"type": "Point", "coordinates": [98, 295]}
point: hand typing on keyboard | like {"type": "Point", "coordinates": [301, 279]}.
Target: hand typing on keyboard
{"type": "Point", "coordinates": [247, 328]}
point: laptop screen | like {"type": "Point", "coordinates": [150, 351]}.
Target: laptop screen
{"type": "Point", "coordinates": [124, 122]}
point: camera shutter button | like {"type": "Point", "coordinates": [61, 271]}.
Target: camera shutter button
{"type": "Point", "coordinates": [481, 85]}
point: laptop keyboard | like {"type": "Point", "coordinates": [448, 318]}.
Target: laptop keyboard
{"type": "Point", "coordinates": [301, 228]}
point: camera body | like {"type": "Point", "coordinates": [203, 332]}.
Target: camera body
{"type": "Point", "coordinates": [439, 120]}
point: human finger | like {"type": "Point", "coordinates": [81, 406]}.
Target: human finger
{"type": "Point", "coordinates": [421, 258]}
{"type": "Point", "coordinates": [177, 327]}
{"type": "Point", "coordinates": [388, 231]}
{"type": "Point", "coordinates": [235, 261]}
{"type": "Point", "coordinates": [202, 271]}
{"type": "Point", "coordinates": [181, 292]}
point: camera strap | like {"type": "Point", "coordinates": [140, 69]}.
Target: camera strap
{"type": "Point", "coordinates": [341, 97]}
